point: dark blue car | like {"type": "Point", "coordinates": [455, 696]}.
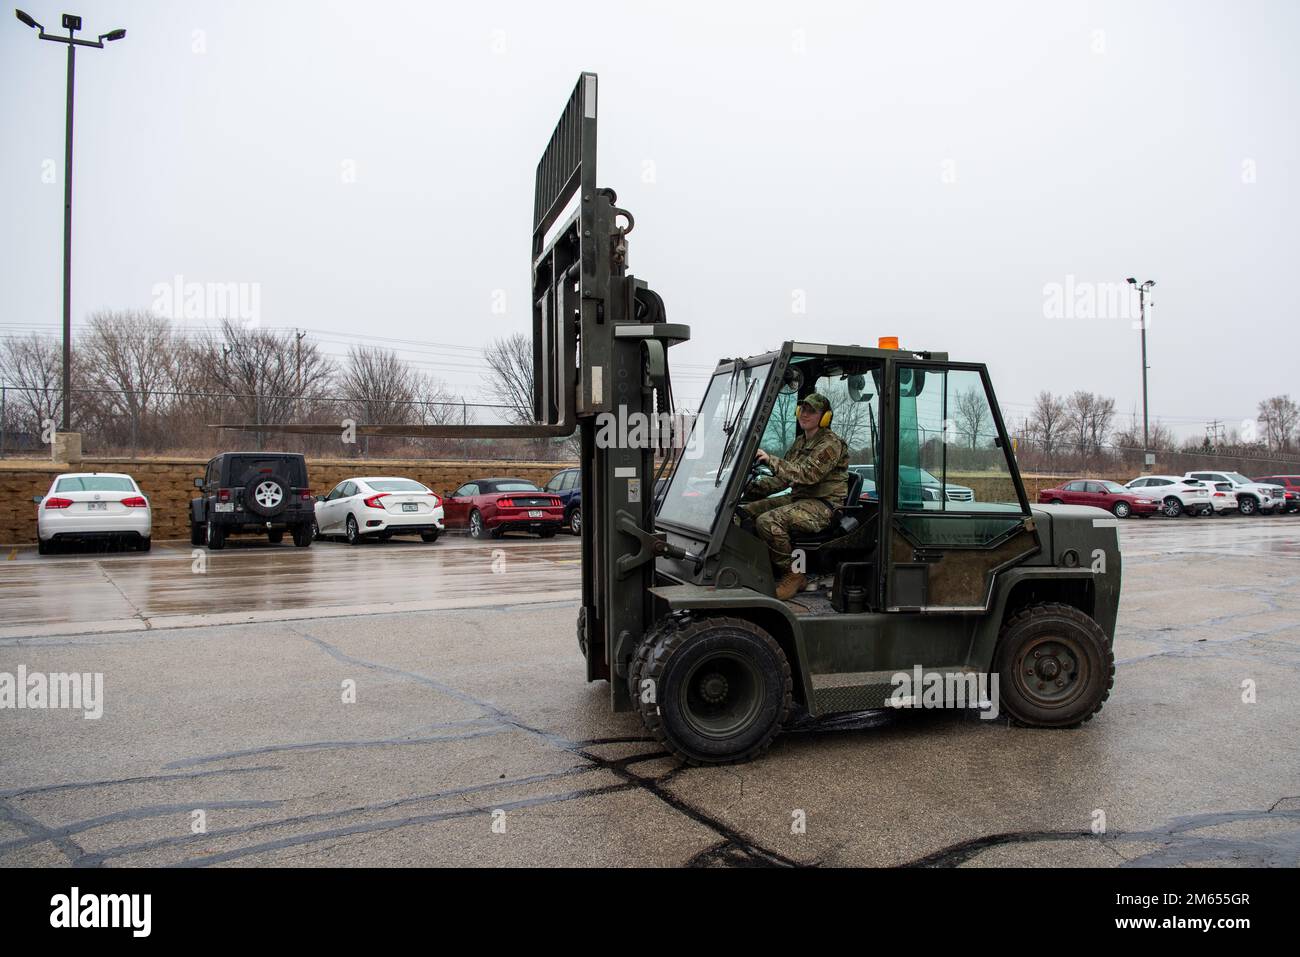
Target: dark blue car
{"type": "Point", "coordinates": [568, 486]}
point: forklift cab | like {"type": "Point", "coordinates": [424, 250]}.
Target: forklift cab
{"type": "Point", "coordinates": [910, 535]}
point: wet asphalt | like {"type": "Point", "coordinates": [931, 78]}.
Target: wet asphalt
{"type": "Point", "coordinates": [410, 704]}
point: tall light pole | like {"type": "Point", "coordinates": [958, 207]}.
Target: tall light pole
{"type": "Point", "coordinates": [71, 23]}
{"type": "Point", "coordinates": [1143, 289]}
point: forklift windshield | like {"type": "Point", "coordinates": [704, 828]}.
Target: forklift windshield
{"type": "Point", "coordinates": [699, 484]}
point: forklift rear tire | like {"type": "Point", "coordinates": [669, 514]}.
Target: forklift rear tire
{"type": "Point", "coordinates": [719, 692]}
{"type": "Point", "coordinates": [1055, 666]}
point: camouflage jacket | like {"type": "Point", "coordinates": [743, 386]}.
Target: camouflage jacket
{"type": "Point", "coordinates": [816, 468]}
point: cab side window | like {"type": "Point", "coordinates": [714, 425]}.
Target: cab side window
{"type": "Point", "coordinates": [951, 455]}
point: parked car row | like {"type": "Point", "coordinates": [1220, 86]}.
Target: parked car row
{"type": "Point", "coordinates": [1194, 493]}
{"type": "Point", "coordinates": [268, 493]}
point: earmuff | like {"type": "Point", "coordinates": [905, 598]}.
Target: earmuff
{"type": "Point", "coordinates": [825, 419]}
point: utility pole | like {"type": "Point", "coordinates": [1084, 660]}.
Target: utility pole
{"type": "Point", "coordinates": [1147, 458]}
{"type": "Point", "coordinates": [71, 23]}
{"type": "Point", "coordinates": [297, 353]}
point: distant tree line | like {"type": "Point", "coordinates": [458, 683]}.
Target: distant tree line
{"type": "Point", "coordinates": [1080, 432]}
{"type": "Point", "coordinates": [140, 386]}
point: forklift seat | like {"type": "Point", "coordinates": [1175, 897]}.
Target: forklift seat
{"type": "Point", "coordinates": [846, 518]}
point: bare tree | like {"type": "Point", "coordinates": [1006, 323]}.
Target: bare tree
{"type": "Point", "coordinates": [269, 377]}
{"type": "Point", "coordinates": [972, 413]}
{"type": "Point", "coordinates": [131, 364]}
{"type": "Point", "coordinates": [1099, 423]}
{"type": "Point", "coordinates": [1079, 408]}
{"type": "Point", "coordinates": [510, 360]}
{"type": "Point", "coordinates": [440, 406]}
{"type": "Point", "coordinates": [1129, 438]}
{"type": "Point", "coordinates": [1279, 415]}
{"type": "Point", "coordinates": [34, 366]}
{"type": "Point", "coordinates": [1047, 422]}
{"type": "Point", "coordinates": [379, 387]}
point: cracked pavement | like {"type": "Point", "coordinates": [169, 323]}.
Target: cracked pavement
{"type": "Point", "coordinates": [473, 739]}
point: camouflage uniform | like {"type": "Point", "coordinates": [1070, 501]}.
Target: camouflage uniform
{"type": "Point", "coordinates": [816, 472]}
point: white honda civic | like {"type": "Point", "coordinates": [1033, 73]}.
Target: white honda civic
{"type": "Point", "coordinates": [379, 508]}
{"type": "Point", "coordinates": [86, 506]}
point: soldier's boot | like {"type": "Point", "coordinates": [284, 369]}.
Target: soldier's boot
{"type": "Point", "coordinates": [790, 585]}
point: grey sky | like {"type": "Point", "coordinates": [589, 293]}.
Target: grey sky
{"type": "Point", "coordinates": [920, 170]}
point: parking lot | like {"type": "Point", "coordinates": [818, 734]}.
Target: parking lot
{"type": "Point", "coordinates": [229, 735]}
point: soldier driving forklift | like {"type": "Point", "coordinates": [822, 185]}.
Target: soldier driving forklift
{"type": "Point", "coordinates": [681, 613]}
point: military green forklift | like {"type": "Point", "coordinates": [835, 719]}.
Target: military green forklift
{"type": "Point", "coordinates": [935, 563]}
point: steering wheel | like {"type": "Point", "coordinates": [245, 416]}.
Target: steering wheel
{"type": "Point", "coordinates": [756, 471]}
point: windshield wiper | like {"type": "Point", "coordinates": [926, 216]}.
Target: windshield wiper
{"type": "Point", "coordinates": [730, 428]}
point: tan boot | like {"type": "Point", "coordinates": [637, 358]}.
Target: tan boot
{"type": "Point", "coordinates": [790, 585]}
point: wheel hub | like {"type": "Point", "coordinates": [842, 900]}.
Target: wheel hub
{"type": "Point", "coordinates": [713, 688]}
{"type": "Point", "coordinates": [1050, 672]}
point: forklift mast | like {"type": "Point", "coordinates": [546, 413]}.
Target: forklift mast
{"type": "Point", "coordinates": [600, 348]}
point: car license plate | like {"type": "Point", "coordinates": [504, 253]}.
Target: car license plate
{"type": "Point", "coordinates": [97, 506]}
{"type": "Point", "coordinates": [535, 513]}
{"type": "Point", "coordinates": [225, 506]}
{"type": "Point", "coordinates": [410, 507]}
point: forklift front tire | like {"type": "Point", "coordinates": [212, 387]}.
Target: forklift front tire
{"type": "Point", "coordinates": [1055, 666]}
{"type": "Point", "coordinates": [712, 690]}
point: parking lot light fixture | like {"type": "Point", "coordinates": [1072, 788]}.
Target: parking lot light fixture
{"type": "Point", "coordinates": [1143, 289]}
{"type": "Point", "coordinates": [71, 23]}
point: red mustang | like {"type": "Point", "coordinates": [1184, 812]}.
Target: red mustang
{"type": "Point", "coordinates": [1108, 495]}
{"type": "Point", "coordinates": [494, 506]}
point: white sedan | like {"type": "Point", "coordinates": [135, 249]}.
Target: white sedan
{"type": "Point", "coordinates": [358, 508]}
{"type": "Point", "coordinates": [85, 506]}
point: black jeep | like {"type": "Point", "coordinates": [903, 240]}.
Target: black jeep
{"type": "Point", "coordinates": [264, 492]}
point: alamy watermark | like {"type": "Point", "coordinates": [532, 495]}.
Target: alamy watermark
{"type": "Point", "coordinates": [645, 430]}
{"type": "Point", "coordinates": [1083, 299]}
{"type": "Point", "coordinates": [945, 689]}
{"type": "Point", "coordinates": [178, 299]}
{"type": "Point", "coordinates": [36, 690]}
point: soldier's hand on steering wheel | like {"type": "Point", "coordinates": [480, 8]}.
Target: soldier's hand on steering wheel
{"type": "Point", "coordinates": [761, 457]}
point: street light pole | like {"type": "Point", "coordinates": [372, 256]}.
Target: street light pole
{"type": "Point", "coordinates": [67, 246]}
{"type": "Point", "coordinates": [71, 23]}
{"type": "Point", "coordinates": [1143, 289]}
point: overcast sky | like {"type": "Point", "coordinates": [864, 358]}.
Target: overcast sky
{"type": "Point", "coordinates": [932, 171]}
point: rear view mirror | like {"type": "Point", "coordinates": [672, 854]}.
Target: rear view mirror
{"type": "Point", "coordinates": [198, 483]}
{"type": "Point", "coordinates": [36, 499]}
{"type": "Point", "coordinates": [911, 382]}
{"type": "Point", "coordinates": [856, 385]}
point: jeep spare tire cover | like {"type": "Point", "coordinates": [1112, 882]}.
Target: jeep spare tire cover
{"type": "Point", "coordinates": [266, 495]}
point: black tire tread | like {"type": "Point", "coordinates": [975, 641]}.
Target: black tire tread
{"type": "Point", "coordinates": [1028, 613]}
{"type": "Point", "coordinates": [658, 647]}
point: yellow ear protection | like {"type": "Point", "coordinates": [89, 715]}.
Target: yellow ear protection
{"type": "Point", "coordinates": [825, 419]}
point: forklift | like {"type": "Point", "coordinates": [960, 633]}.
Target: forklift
{"type": "Point", "coordinates": [917, 574]}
